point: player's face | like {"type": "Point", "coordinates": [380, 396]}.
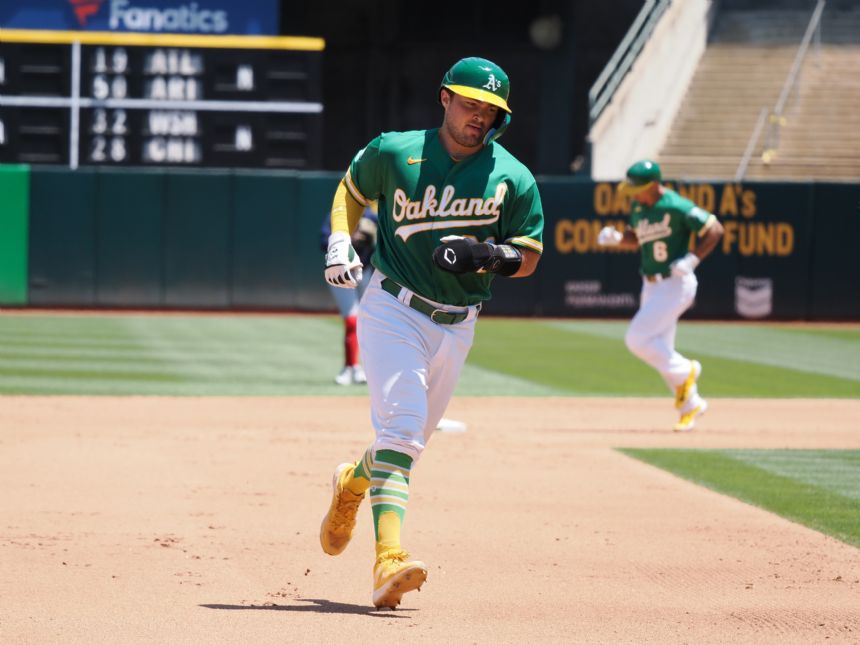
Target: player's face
{"type": "Point", "coordinates": [467, 120]}
{"type": "Point", "coordinates": [649, 196]}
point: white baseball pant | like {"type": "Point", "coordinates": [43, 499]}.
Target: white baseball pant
{"type": "Point", "coordinates": [412, 366]}
{"type": "Point", "coordinates": [651, 334]}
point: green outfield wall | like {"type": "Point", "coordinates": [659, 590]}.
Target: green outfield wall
{"type": "Point", "coordinates": [177, 238]}
{"type": "Point", "coordinates": [14, 218]}
{"type": "Point", "coordinates": [231, 239]}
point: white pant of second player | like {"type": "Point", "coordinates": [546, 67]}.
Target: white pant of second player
{"type": "Point", "coordinates": [412, 366]}
{"type": "Point", "coordinates": [651, 335]}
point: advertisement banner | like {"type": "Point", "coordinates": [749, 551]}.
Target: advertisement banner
{"type": "Point", "coordinates": [578, 278]}
{"type": "Point", "coordinates": [212, 17]}
{"type": "Point", "coordinates": [760, 269]}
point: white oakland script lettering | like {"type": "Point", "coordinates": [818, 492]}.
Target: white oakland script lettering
{"type": "Point", "coordinates": [648, 232]}
{"type": "Point", "coordinates": [446, 206]}
{"type": "Point", "coordinates": [444, 213]}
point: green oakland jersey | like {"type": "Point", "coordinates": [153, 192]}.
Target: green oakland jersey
{"type": "Point", "coordinates": [664, 229]}
{"type": "Point", "coordinates": [424, 195]}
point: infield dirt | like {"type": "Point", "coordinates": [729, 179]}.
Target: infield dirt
{"type": "Point", "coordinates": [195, 520]}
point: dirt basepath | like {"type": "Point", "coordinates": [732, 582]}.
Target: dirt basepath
{"type": "Point", "coordinates": [155, 520]}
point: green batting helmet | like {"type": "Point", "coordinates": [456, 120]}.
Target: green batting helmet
{"type": "Point", "coordinates": [482, 80]}
{"type": "Point", "coordinates": [640, 176]}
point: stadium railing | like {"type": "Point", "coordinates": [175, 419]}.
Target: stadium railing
{"type": "Point", "coordinates": [777, 119]}
{"type": "Point", "coordinates": [622, 59]}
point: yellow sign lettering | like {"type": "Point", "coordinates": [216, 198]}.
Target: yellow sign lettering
{"type": "Point", "coordinates": [621, 204]}
{"type": "Point", "coordinates": [758, 238]}
{"type": "Point", "coordinates": [730, 236]}
{"type": "Point", "coordinates": [603, 197]}
{"type": "Point", "coordinates": [580, 236]}
{"type": "Point", "coordinates": [729, 201]}
{"type": "Point", "coordinates": [784, 238]}
{"type": "Point", "coordinates": [748, 200]}
{"type": "Point", "coordinates": [563, 234]}
{"type": "Point", "coordinates": [707, 197]}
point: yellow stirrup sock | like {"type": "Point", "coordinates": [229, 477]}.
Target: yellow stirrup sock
{"type": "Point", "coordinates": [389, 494]}
{"type": "Point", "coordinates": [360, 480]}
{"type": "Point", "coordinates": [387, 532]}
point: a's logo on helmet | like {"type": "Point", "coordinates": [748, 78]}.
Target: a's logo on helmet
{"type": "Point", "coordinates": [492, 83]}
{"type": "Point", "coordinates": [450, 256]}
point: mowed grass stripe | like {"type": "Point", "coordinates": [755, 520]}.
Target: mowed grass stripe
{"type": "Point", "coordinates": [511, 357]}
{"type": "Point", "coordinates": [72, 354]}
{"type": "Point", "coordinates": [814, 350]}
{"type": "Point", "coordinates": [197, 387]}
{"type": "Point", "coordinates": [809, 351]}
{"type": "Point", "coordinates": [819, 507]}
{"type": "Point", "coordinates": [174, 355]}
{"type": "Point", "coordinates": [591, 359]}
{"type": "Point", "coordinates": [215, 367]}
{"type": "Point", "coordinates": [835, 470]}
{"type": "Point", "coordinates": [177, 348]}
{"type": "Point", "coordinates": [281, 342]}
{"type": "Point", "coordinates": [85, 374]}
{"type": "Point", "coordinates": [561, 359]}
{"type": "Point", "coordinates": [848, 332]}
{"type": "Point", "coordinates": [735, 378]}
{"type": "Point", "coordinates": [477, 381]}
{"type": "Point", "coordinates": [259, 350]}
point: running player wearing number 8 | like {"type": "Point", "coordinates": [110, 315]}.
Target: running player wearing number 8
{"type": "Point", "coordinates": [456, 210]}
{"type": "Point", "coordinates": [661, 225]}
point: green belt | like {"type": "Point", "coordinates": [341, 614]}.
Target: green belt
{"type": "Point", "coordinates": [656, 277]}
{"type": "Point", "coordinates": [418, 304]}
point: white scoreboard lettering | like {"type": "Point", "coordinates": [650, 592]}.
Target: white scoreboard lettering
{"type": "Point", "coordinates": [160, 99]}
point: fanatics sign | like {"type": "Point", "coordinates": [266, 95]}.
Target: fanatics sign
{"type": "Point", "coordinates": [216, 17]}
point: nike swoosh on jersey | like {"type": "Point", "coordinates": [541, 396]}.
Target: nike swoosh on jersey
{"type": "Point", "coordinates": [412, 161]}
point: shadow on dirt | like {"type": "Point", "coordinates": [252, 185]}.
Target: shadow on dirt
{"type": "Point", "coordinates": [321, 606]}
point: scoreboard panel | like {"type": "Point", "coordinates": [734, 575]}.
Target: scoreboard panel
{"type": "Point", "coordinates": [104, 98]}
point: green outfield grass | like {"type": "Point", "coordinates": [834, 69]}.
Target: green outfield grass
{"type": "Point", "coordinates": [817, 488]}
{"type": "Point", "coordinates": [294, 355]}
{"type": "Point", "coordinates": [590, 358]}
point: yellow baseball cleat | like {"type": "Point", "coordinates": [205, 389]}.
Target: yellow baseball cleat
{"type": "Point", "coordinates": [337, 525]}
{"type": "Point", "coordinates": [688, 419]}
{"type": "Point", "coordinates": [394, 575]}
{"type": "Point", "coordinates": [682, 392]}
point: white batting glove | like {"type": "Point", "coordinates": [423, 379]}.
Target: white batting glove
{"type": "Point", "coordinates": [342, 266]}
{"type": "Point", "coordinates": [609, 236]}
{"type": "Point", "coordinates": [685, 265]}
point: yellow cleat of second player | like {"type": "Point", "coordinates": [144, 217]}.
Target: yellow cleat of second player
{"type": "Point", "coordinates": [688, 418]}
{"type": "Point", "coordinates": [337, 525]}
{"type": "Point", "coordinates": [683, 392]}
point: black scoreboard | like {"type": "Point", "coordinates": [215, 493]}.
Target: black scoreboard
{"type": "Point", "coordinates": [104, 98]}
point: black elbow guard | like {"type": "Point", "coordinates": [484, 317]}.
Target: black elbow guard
{"type": "Point", "coordinates": [504, 259]}
{"type": "Point", "coordinates": [465, 255]}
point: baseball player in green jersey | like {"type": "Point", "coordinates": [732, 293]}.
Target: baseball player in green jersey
{"type": "Point", "coordinates": [661, 226]}
{"type": "Point", "coordinates": [455, 210]}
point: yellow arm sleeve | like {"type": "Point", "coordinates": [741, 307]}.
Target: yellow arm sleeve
{"type": "Point", "coordinates": [345, 211]}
